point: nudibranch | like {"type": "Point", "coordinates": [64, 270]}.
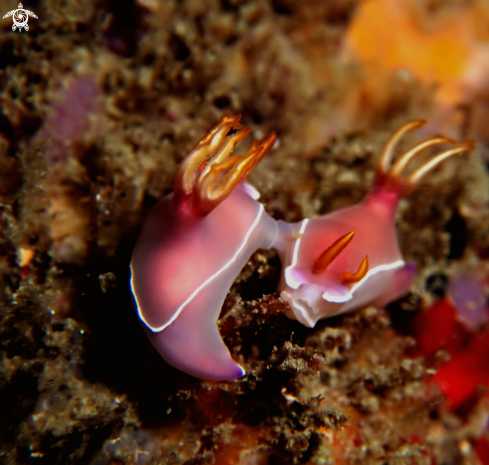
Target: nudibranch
{"type": "Point", "coordinates": [192, 246]}
{"type": "Point", "coordinates": [351, 258]}
{"type": "Point", "coordinates": [194, 243]}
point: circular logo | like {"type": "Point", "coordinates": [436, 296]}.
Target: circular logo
{"type": "Point", "coordinates": [20, 18]}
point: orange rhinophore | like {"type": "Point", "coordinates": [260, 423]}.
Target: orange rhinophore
{"type": "Point", "coordinates": [332, 252]}
{"type": "Point", "coordinates": [352, 278]}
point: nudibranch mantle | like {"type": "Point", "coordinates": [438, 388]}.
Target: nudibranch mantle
{"type": "Point", "coordinates": [186, 262]}
{"type": "Point", "coordinates": [351, 258]}
{"type": "Point", "coordinates": [314, 296]}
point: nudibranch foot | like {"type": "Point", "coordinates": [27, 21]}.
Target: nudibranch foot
{"type": "Point", "coordinates": [192, 246]}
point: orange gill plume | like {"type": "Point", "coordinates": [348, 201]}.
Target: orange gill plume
{"type": "Point", "coordinates": [209, 173]}
{"type": "Point", "coordinates": [389, 175]}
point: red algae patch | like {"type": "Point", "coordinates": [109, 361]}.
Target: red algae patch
{"type": "Point", "coordinates": [438, 327]}
{"type": "Point", "coordinates": [482, 450]}
{"type": "Point", "coordinates": [460, 377]}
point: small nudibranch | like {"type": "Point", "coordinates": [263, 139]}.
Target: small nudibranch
{"type": "Point", "coordinates": [192, 246]}
{"type": "Point", "coordinates": [350, 258]}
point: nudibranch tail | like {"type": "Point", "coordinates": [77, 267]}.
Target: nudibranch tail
{"type": "Point", "coordinates": [352, 278]}
{"type": "Point", "coordinates": [209, 173]}
{"type": "Point", "coordinates": [332, 252]}
{"type": "Point", "coordinates": [192, 343]}
{"type": "Point", "coordinates": [389, 175]}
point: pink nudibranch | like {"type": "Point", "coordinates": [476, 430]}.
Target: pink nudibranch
{"type": "Point", "coordinates": [194, 243]}
{"type": "Point", "coordinates": [319, 279]}
{"type": "Point", "coordinates": [192, 246]}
